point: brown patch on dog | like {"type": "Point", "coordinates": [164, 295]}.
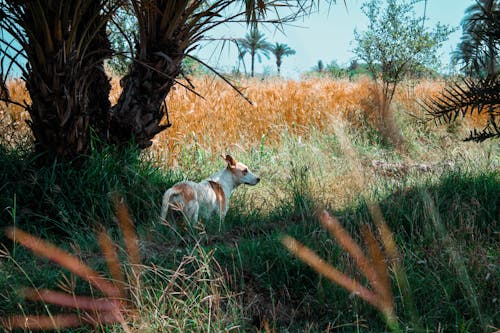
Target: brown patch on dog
{"type": "Point", "coordinates": [219, 194]}
{"type": "Point", "coordinates": [186, 191]}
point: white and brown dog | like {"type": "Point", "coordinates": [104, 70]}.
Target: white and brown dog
{"type": "Point", "coordinates": [209, 197]}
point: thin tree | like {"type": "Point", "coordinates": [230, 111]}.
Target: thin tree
{"type": "Point", "coordinates": [395, 45]}
{"type": "Point", "coordinates": [255, 44]}
{"type": "Point", "coordinates": [280, 51]}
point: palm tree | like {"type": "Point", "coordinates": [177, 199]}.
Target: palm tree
{"type": "Point", "coordinates": [255, 43]}
{"type": "Point", "coordinates": [478, 93]}
{"type": "Point", "coordinates": [478, 49]}
{"type": "Point", "coordinates": [60, 48]}
{"type": "Point", "coordinates": [64, 44]}
{"type": "Point", "coordinates": [281, 50]}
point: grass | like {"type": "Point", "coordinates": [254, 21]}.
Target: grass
{"type": "Point", "coordinates": [314, 144]}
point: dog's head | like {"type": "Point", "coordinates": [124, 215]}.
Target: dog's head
{"type": "Point", "coordinates": [240, 172]}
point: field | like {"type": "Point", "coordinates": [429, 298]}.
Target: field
{"type": "Point", "coordinates": [316, 145]}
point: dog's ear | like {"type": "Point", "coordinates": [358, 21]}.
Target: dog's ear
{"type": "Point", "coordinates": [229, 160]}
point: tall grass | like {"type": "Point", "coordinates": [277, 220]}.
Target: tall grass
{"type": "Point", "coordinates": [222, 120]}
{"type": "Point", "coordinates": [315, 145]}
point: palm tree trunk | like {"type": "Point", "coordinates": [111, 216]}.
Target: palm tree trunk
{"type": "Point", "coordinates": [141, 107]}
{"type": "Point", "coordinates": [68, 86]}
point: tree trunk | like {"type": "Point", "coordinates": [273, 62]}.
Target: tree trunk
{"type": "Point", "coordinates": [387, 121]}
{"type": "Point", "coordinates": [141, 107]}
{"type": "Point", "coordinates": [69, 89]}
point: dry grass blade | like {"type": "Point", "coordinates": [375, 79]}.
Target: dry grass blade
{"type": "Point", "coordinates": [385, 233]}
{"type": "Point", "coordinates": [112, 261]}
{"type": "Point", "coordinates": [128, 232]}
{"type": "Point", "coordinates": [113, 308]}
{"type": "Point", "coordinates": [61, 257]}
{"type": "Point", "coordinates": [378, 260]}
{"type": "Point", "coordinates": [41, 322]}
{"type": "Point", "coordinates": [71, 301]}
{"type": "Point", "coordinates": [55, 322]}
{"type": "Point", "coordinates": [130, 239]}
{"type": "Point", "coordinates": [325, 269]}
{"type": "Point", "coordinates": [374, 269]}
{"type": "Point", "coordinates": [345, 240]}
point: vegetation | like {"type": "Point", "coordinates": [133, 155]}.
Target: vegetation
{"type": "Point", "coordinates": [410, 233]}
{"type": "Point", "coordinates": [280, 51]}
{"type": "Point", "coordinates": [478, 92]}
{"type": "Point", "coordinates": [396, 44]}
{"type": "Point", "coordinates": [255, 44]}
{"type": "Point", "coordinates": [478, 50]}
{"type": "Point", "coordinates": [439, 202]}
{"type": "Point", "coordinates": [66, 45]}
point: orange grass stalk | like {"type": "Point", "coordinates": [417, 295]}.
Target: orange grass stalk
{"type": "Point", "coordinates": [128, 232]}
{"type": "Point", "coordinates": [385, 233]}
{"type": "Point", "coordinates": [374, 267]}
{"type": "Point", "coordinates": [130, 238]}
{"type": "Point", "coordinates": [61, 257]}
{"type": "Point", "coordinates": [378, 261]}
{"type": "Point", "coordinates": [325, 269]}
{"type": "Point", "coordinates": [345, 240]}
{"type": "Point", "coordinates": [111, 257]}
{"type": "Point", "coordinates": [70, 301]}
{"type": "Point", "coordinates": [392, 252]}
{"type": "Point", "coordinates": [55, 322]}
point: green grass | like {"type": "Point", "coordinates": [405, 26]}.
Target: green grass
{"type": "Point", "coordinates": [445, 222]}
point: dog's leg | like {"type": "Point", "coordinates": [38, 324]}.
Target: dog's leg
{"type": "Point", "coordinates": [191, 212]}
{"type": "Point", "coordinates": [165, 204]}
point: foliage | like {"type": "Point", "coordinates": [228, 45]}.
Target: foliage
{"type": "Point", "coordinates": [280, 51]}
{"type": "Point", "coordinates": [306, 169]}
{"type": "Point", "coordinates": [467, 97]}
{"type": "Point", "coordinates": [396, 44]}
{"type": "Point", "coordinates": [66, 44]}
{"type": "Point", "coordinates": [255, 44]}
{"type": "Point", "coordinates": [122, 32]}
{"type": "Point", "coordinates": [479, 53]}
{"type": "Point", "coordinates": [478, 50]}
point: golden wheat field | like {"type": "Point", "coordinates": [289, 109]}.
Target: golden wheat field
{"type": "Point", "coordinates": [222, 118]}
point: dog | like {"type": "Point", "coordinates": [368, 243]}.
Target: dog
{"type": "Point", "coordinates": [209, 197]}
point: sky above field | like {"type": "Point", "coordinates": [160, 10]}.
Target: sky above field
{"type": "Point", "coordinates": [328, 36]}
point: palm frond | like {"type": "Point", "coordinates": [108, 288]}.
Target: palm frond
{"type": "Point", "coordinates": [467, 97]}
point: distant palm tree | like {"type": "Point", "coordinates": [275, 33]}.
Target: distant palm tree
{"type": "Point", "coordinates": [319, 66]}
{"type": "Point", "coordinates": [281, 50]}
{"type": "Point", "coordinates": [256, 44]}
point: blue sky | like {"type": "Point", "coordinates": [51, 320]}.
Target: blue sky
{"type": "Point", "coordinates": [328, 35]}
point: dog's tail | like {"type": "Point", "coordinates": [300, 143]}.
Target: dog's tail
{"type": "Point", "coordinates": [166, 202]}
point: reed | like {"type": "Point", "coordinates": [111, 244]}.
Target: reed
{"type": "Point", "coordinates": [222, 118]}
